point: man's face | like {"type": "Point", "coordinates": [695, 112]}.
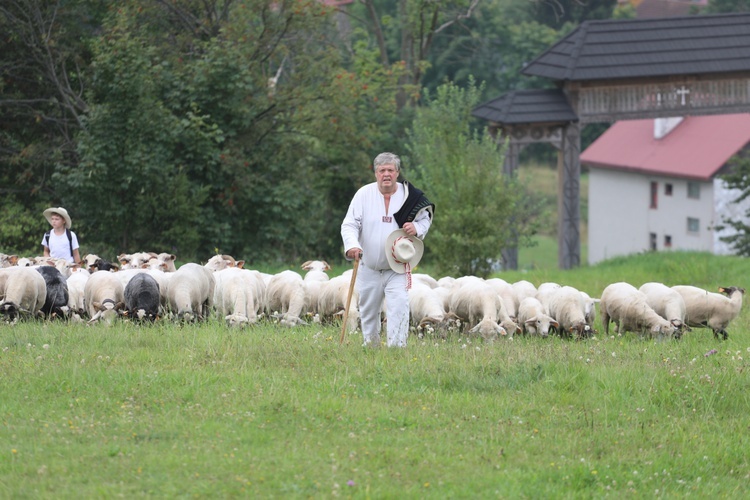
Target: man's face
{"type": "Point", "coordinates": [386, 176]}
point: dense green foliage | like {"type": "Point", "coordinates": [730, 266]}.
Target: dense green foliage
{"type": "Point", "coordinates": [461, 169]}
{"type": "Point", "coordinates": [267, 412]}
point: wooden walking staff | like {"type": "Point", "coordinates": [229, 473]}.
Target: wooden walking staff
{"type": "Point", "coordinates": [349, 297]}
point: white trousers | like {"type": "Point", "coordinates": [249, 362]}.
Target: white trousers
{"type": "Point", "coordinates": [373, 287]}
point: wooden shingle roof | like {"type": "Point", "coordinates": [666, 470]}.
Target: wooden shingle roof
{"type": "Point", "coordinates": [527, 106]}
{"type": "Point", "coordinates": [636, 48]}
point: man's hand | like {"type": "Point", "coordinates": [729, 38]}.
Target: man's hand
{"type": "Point", "coordinates": [354, 253]}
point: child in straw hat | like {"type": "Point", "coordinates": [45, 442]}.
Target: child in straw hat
{"type": "Point", "coordinates": [60, 242]}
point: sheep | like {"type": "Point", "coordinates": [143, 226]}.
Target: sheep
{"type": "Point", "coordinates": [544, 292]}
{"type": "Point", "coordinates": [56, 302]}
{"type": "Point", "coordinates": [505, 291]}
{"type": "Point", "coordinates": [134, 260]}
{"type": "Point", "coordinates": [239, 295]}
{"type": "Point", "coordinates": [710, 309]}
{"type": "Point", "coordinates": [25, 293]}
{"type": "Point", "coordinates": [76, 284]}
{"type": "Point", "coordinates": [142, 298]}
{"type": "Point", "coordinates": [425, 279]}
{"type": "Point", "coordinates": [589, 308]}
{"type": "Point", "coordinates": [477, 302]}
{"type": "Point", "coordinates": [523, 289]}
{"type": "Point", "coordinates": [7, 260]}
{"type": "Point", "coordinates": [104, 296]}
{"type": "Point", "coordinates": [427, 308]}
{"type": "Point", "coordinates": [314, 280]}
{"type": "Point", "coordinates": [168, 260]}
{"type": "Point", "coordinates": [627, 307]}
{"type": "Point", "coordinates": [94, 263]}
{"type": "Point", "coordinates": [191, 292]}
{"type": "Point", "coordinates": [533, 319]}
{"type": "Point", "coordinates": [667, 303]}
{"type": "Point", "coordinates": [4, 273]}
{"type": "Point", "coordinates": [219, 262]}
{"type": "Point", "coordinates": [332, 300]}
{"type": "Point", "coordinates": [286, 297]}
{"type": "Point", "coordinates": [566, 306]}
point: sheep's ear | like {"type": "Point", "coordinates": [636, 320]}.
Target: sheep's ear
{"type": "Point", "coordinates": [119, 306]}
{"type": "Point", "coordinates": [327, 266]}
{"type": "Point", "coordinates": [97, 306]}
{"type": "Point", "coordinates": [555, 324]}
{"type": "Point", "coordinates": [241, 264]}
{"type": "Point", "coordinates": [530, 321]}
{"type": "Point", "coordinates": [13, 259]}
{"type": "Point", "coordinates": [306, 265]}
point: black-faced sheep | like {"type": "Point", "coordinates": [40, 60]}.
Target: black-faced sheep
{"type": "Point", "coordinates": [142, 298]}
{"type": "Point", "coordinates": [56, 303]}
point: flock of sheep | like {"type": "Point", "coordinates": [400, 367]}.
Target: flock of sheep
{"type": "Point", "coordinates": [146, 286]}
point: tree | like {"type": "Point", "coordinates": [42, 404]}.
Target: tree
{"type": "Point", "coordinates": [479, 212]}
{"type": "Point", "coordinates": [738, 177]}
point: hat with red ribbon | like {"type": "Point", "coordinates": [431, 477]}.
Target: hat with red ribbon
{"type": "Point", "coordinates": [403, 252]}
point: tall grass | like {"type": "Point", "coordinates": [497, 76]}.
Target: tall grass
{"type": "Point", "coordinates": [206, 411]}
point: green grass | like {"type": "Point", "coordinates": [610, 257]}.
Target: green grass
{"type": "Point", "coordinates": [268, 412]}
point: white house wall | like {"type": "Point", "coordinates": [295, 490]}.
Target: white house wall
{"type": "Point", "coordinates": [621, 220]}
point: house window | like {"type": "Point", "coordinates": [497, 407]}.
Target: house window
{"type": "Point", "coordinates": [652, 241]}
{"type": "Point", "coordinates": [654, 194]}
{"type": "Point", "coordinates": [667, 189]}
{"type": "Point", "coordinates": [694, 190]}
{"type": "Point", "coordinates": [693, 225]}
{"type": "Point", "coordinates": [667, 241]}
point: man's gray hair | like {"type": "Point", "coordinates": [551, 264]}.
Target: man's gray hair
{"type": "Point", "coordinates": [386, 159]}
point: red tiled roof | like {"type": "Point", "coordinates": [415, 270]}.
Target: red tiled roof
{"type": "Point", "coordinates": [696, 148]}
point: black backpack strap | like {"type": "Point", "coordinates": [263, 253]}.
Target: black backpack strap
{"type": "Point", "coordinates": [70, 241]}
{"type": "Point", "coordinates": [46, 238]}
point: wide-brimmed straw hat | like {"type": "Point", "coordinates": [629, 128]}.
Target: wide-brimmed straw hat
{"type": "Point", "coordinates": [403, 251]}
{"type": "Point", "coordinates": [59, 211]}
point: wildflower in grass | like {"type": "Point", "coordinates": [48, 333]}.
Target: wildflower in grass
{"type": "Point", "coordinates": [350, 483]}
{"type": "Point", "coordinates": [710, 353]}
{"type": "Point", "coordinates": [45, 346]}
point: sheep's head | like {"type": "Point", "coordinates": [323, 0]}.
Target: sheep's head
{"type": "Point", "coordinates": [489, 330]}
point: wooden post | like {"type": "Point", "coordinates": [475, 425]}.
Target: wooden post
{"type": "Point", "coordinates": [568, 198]}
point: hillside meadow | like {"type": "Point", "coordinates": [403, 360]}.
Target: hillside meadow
{"type": "Point", "coordinates": [173, 411]}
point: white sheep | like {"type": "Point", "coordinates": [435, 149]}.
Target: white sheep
{"type": "Point", "coordinates": [478, 303]}
{"type": "Point", "coordinates": [7, 260]}
{"type": "Point", "coordinates": [566, 305]}
{"type": "Point", "coordinates": [24, 293]}
{"type": "Point", "coordinates": [424, 279]}
{"type": "Point", "coordinates": [332, 300]}
{"type": "Point", "coordinates": [315, 279]}
{"type": "Point", "coordinates": [523, 289]}
{"type": "Point", "coordinates": [710, 309]}
{"type": "Point", "coordinates": [589, 308]}
{"type": "Point", "coordinates": [191, 291]}
{"type": "Point", "coordinates": [223, 261]}
{"type": "Point", "coordinates": [667, 303]}
{"type": "Point", "coordinates": [506, 292]}
{"type": "Point", "coordinates": [627, 307]}
{"type": "Point", "coordinates": [286, 297]}
{"type": "Point", "coordinates": [104, 296]}
{"type": "Point", "coordinates": [533, 319]}
{"type": "Point", "coordinates": [76, 286]}
{"type": "Point", "coordinates": [545, 291]}
{"type": "Point", "coordinates": [239, 295]}
{"type": "Point", "coordinates": [427, 308]}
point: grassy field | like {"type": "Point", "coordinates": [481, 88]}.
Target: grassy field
{"type": "Point", "coordinates": [170, 411]}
